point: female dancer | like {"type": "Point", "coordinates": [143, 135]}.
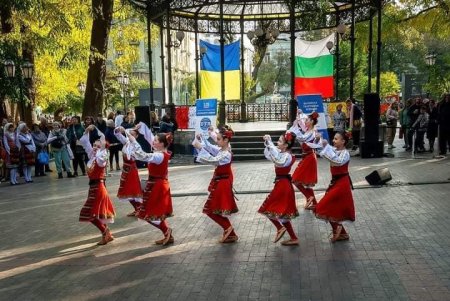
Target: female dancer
{"type": "Point", "coordinates": [305, 175]}
{"type": "Point", "coordinates": [337, 206]}
{"type": "Point", "coordinates": [157, 201]}
{"type": "Point", "coordinates": [279, 205]}
{"type": "Point", "coordinates": [220, 202]}
{"type": "Point", "coordinates": [130, 184]}
{"type": "Point", "coordinates": [98, 208]}
{"type": "Point", "coordinates": [12, 152]}
{"type": "Point", "coordinates": [28, 150]}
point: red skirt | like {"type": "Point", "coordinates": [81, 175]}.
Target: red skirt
{"type": "Point", "coordinates": [13, 158]}
{"type": "Point", "coordinates": [130, 183]}
{"type": "Point", "coordinates": [157, 201]}
{"type": "Point", "coordinates": [337, 203]}
{"type": "Point", "coordinates": [28, 157]}
{"type": "Point", "coordinates": [98, 205]}
{"type": "Point", "coordinates": [306, 171]}
{"type": "Point", "coordinates": [221, 198]}
{"type": "Point", "coordinates": [280, 203]}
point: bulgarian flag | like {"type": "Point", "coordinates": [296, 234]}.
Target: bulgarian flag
{"type": "Point", "coordinates": [314, 68]}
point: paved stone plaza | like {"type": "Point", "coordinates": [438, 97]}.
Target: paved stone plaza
{"type": "Point", "coordinates": [398, 249]}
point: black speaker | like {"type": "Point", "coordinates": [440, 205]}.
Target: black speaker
{"type": "Point", "coordinates": [371, 117]}
{"type": "Point", "coordinates": [142, 114]}
{"type": "Point", "coordinates": [379, 177]}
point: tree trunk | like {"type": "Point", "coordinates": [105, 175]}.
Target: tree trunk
{"type": "Point", "coordinates": [29, 85]}
{"type": "Point", "coordinates": [6, 28]}
{"type": "Point", "coordinates": [102, 11]}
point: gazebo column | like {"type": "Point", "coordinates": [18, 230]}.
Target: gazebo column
{"type": "Point", "coordinates": [163, 72]}
{"type": "Point", "coordinates": [379, 6]}
{"type": "Point", "coordinates": [197, 58]}
{"type": "Point", "coordinates": [369, 54]}
{"type": "Point", "coordinates": [338, 37]}
{"type": "Point", "coordinates": [292, 102]}
{"type": "Point", "coordinates": [170, 105]}
{"type": "Point", "coordinates": [243, 104]}
{"type": "Point", "coordinates": [222, 68]}
{"type": "Point", "coordinates": [150, 63]}
{"type": "Point", "coordinates": [352, 51]}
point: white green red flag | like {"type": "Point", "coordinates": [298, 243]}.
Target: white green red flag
{"type": "Point", "coordinates": [314, 68]}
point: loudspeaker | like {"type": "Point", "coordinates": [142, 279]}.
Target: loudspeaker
{"type": "Point", "coordinates": [371, 117]}
{"type": "Point", "coordinates": [379, 177]}
{"type": "Point", "coordinates": [142, 114]}
{"type": "Point", "coordinates": [371, 149]}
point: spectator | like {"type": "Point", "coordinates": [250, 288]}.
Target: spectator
{"type": "Point", "coordinates": [111, 116]}
{"type": "Point", "coordinates": [100, 123]}
{"type": "Point", "coordinates": [420, 126]}
{"type": "Point", "coordinates": [114, 144]}
{"type": "Point", "coordinates": [404, 122]}
{"type": "Point", "coordinates": [432, 124]}
{"type": "Point", "coordinates": [128, 122]}
{"type": "Point", "coordinates": [119, 119]}
{"type": "Point", "coordinates": [339, 120]}
{"type": "Point", "coordinates": [354, 121]}
{"type": "Point", "coordinates": [12, 152]}
{"type": "Point", "coordinates": [413, 114]}
{"type": "Point", "coordinates": [58, 141]}
{"type": "Point", "coordinates": [44, 127]}
{"type": "Point", "coordinates": [154, 122]}
{"type": "Point", "coordinates": [27, 150]}
{"type": "Point", "coordinates": [40, 140]}
{"type": "Point", "coordinates": [74, 134]}
{"type": "Point", "coordinates": [444, 125]}
{"type": "Point", "coordinates": [3, 153]}
{"type": "Point", "coordinates": [93, 135]}
{"type": "Point", "coordinates": [391, 121]}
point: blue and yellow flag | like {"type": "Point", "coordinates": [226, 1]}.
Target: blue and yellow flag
{"type": "Point", "coordinates": [210, 80]}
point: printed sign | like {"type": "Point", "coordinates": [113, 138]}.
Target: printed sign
{"type": "Point", "coordinates": [314, 103]}
{"type": "Point", "coordinates": [206, 115]}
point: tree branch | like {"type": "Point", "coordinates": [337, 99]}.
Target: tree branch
{"type": "Point", "coordinates": [418, 14]}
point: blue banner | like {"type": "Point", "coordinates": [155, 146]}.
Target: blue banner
{"type": "Point", "coordinates": [314, 103]}
{"type": "Point", "coordinates": [206, 107]}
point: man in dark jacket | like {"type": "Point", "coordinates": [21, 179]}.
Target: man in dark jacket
{"type": "Point", "coordinates": [413, 113]}
{"type": "Point", "coordinates": [444, 125]}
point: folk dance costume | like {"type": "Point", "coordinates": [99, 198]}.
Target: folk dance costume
{"type": "Point", "coordinates": [98, 208]}
{"type": "Point", "coordinates": [157, 201]}
{"type": "Point", "coordinates": [28, 151]}
{"type": "Point", "coordinates": [337, 206]}
{"type": "Point", "coordinates": [221, 201]}
{"type": "Point", "coordinates": [279, 205]}
{"type": "Point", "coordinates": [12, 152]}
{"type": "Point", "coordinates": [130, 184]}
{"type": "Point", "coordinates": [305, 175]}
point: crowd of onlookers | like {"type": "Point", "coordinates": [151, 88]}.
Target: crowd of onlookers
{"type": "Point", "coordinates": [22, 148]}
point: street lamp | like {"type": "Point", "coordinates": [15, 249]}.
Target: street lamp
{"type": "Point", "coordinates": [124, 80]}
{"type": "Point", "coordinates": [261, 38]}
{"type": "Point", "coordinates": [27, 73]}
{"type": "Point", "coordinates": [341, 29]}
{"type": "Point", "coordinates": [180, 37]}
{"type": "Point", "coordinates": [430, 59]}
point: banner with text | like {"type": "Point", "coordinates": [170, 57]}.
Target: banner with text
{"type": "Point", "coordinates": [314, 103]}
{"type": "Point", "coordinates": [206, 112]}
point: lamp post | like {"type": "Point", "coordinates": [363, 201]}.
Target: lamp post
{"type": "Point", "coordinates": [124, 80]}
{"type": "Point", "coordinates": [27, 71]}
{"type": "Point", "coordinates": [430, 60]}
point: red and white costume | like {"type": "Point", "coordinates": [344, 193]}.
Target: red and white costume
{"type": "Point", "coordinates": [98, 206]}
{"type": "Point", "coordinates": [221, 199]}
{"type": "Point", "coordinates": [157, 201]}
{"type": "Point", "coordinates": [130, 184]}
{"type": "Point", "coordinates": [10, 143]}
{"type": "Point", "coordinates": [280, 206]}
{"type": "Point", "coordinates": [28, 151]}
{"type": "Point", "coordinates": [280, 203]}
{"type": "Point", "coordinates": [305, 175]}
{"type": "Point", "coordinates": [337, 203]}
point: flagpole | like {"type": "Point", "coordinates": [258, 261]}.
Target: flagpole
{"type": "Point", "coordinates": [293, 101]}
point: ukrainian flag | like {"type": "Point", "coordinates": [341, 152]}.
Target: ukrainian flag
{"type": "Point", "coordinates": [210, 80]}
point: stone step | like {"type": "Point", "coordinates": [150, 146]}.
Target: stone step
{"type": "Point", "coordinates": [258, 133]}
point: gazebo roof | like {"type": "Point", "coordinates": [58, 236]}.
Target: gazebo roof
{"type": "Point", "coordinates": [186, 15]}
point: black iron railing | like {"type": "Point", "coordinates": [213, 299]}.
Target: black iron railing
{"type": "Point", "coordinates": [268, 112]}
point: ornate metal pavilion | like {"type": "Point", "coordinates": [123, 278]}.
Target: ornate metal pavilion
{"type": "Point", "coordinates": [241, 16]}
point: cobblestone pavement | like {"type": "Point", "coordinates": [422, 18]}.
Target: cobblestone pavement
{"type": "Point", "coordinates": [398, 250]}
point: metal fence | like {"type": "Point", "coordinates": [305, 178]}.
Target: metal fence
{"type": "Point", "coordinates": [259, 112]}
